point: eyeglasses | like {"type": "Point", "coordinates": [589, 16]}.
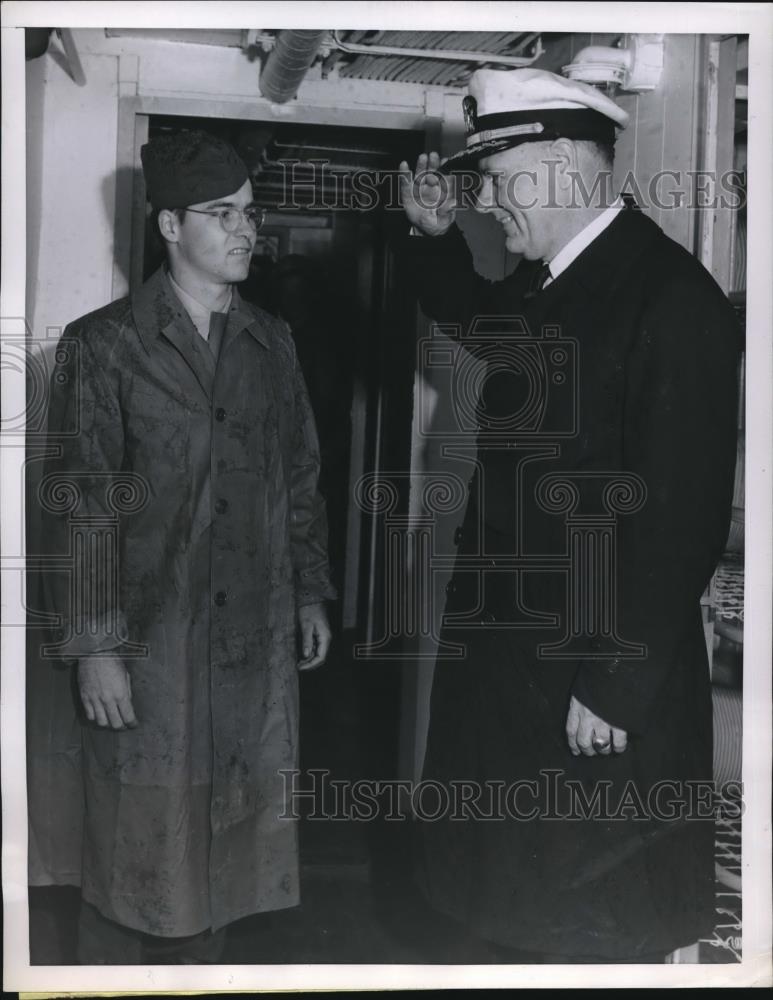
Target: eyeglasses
{"type": "Point", "coordinates": [231, 217]}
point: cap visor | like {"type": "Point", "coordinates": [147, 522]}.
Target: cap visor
{"type": "Point", "coordinates": [468, 159]}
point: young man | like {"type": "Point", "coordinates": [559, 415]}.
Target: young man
{"type": "Point", "coordinates": [600, 506]}
{"type": "Point", "coordinates": [191, 402]}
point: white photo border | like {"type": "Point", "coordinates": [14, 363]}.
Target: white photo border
{"type": "Point", "coordinates": [756, 20]}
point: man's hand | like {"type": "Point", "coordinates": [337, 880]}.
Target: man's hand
{"type": "Point", "coordinates": [583, 726]}
{"type": "Point", "coordinates": [315, 635]}
{"type": "Point", "coordinates": [106, 692]}
{"type": "Point", "coordinates": [428, 197]}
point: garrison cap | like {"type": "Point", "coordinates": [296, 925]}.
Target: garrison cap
{"type": "Point", "coordinates": [505, 108]}
{"type": "Point", "coordinates": [188, 168]}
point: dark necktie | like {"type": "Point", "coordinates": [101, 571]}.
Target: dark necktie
{"type": "Point", "coordinates": [538, 280]}
{"type": "Point", "coordinates": [217, 325]}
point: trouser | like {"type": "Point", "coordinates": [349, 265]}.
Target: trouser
{"type": "Point", "coordinates": [104, 942]}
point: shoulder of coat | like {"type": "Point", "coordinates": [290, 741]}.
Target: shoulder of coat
{"type": "Point", "coordinates": [674, 273]}
{"type": "Point", "coordinates": [104, 331]}
{"type": "Point", "coordinates": [102, 321]}
{"type": "Point", "coordinates": [668, 275]}
{"type": "Point", "coordinates": [682, 303]}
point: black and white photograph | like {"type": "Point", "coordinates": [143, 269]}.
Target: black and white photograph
{"type": "Point", "coordinates": [386, 473]}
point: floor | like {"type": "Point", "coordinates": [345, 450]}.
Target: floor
{"type": "Point", "coordinates": [359, 902]}
{"type": "Point", "coordinates": [353, 912]}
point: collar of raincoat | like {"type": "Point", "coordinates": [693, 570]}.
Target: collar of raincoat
{"type": "Point", "coordinates": [155, 306]}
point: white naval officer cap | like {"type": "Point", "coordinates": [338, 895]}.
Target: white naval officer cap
{"type": "Point", "coordinates": [505, 108]}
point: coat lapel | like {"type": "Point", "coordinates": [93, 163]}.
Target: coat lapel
{"type": "Point", "coordinates": [241, 318]}
{"type": "Point", "coordinates": [158, 312]}
{"type": "Point", "coordinates": [181, 333]}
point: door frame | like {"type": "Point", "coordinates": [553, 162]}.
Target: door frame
{"type": "Point", "coordinates": [135, 110]}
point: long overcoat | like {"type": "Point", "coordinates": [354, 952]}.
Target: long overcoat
{"type": "Point", "coordinates": [204, 471]}
{"type": "Point", "coordinates": [627, 373]}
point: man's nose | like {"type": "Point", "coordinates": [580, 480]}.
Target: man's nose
{"type": "Point", "coordinates": [245, 228]}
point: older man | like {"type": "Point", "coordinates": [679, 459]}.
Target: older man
{"type": "Point", "coordinates": [191, 401]}
{"type": "Point", "coordinates": [597, 512]}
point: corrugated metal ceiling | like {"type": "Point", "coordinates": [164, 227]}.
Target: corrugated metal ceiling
{"type": "Point", "coordinates": [426, 71]}
{"type": "Point", "coordinates": [406, 69]}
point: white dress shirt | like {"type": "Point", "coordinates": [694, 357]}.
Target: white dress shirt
{"type": "Point", "coordinates": [569, 253]}
{"type": "Point", "coordinates": [583, 240]}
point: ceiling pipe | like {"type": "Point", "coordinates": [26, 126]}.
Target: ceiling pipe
{"type": "Point", "coordinates": [451, 55]}
{"type": "Point", "coordinates": [288, 63]}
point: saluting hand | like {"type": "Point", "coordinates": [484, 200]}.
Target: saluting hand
{"type": "Point", "coordinates": [428, 197]}
{"type": "Point", "coordinates": [106, 692]}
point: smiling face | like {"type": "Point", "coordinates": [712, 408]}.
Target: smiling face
{"type": "Point", "coordinates": [519, 188]}
{"type": "Point", "coordinates": [201, 251]}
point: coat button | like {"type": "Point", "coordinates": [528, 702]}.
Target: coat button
{"type": "Point", "coordinates": [220, 414]}
{"type": "Point", "coordinates": [221, 506]}
{"type": "Point", "coordinates": [487, 618]}
{"type": "Point", "coordinates": [220, 598]}
{"type": "Point", "coordinates": [450, 587]}
{"type": "Point", "coordinates": [458, 535]}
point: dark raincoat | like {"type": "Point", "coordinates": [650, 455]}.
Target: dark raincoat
{"type": "Point", "coordinates": [655, 376]}
{"type": "Point", "coordinates": [208, 471]}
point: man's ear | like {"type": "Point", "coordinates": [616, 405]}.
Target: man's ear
{"type": "Point", "coordinates": [169, 225]}
{"type": "Point", "coordinates": [564, 152]}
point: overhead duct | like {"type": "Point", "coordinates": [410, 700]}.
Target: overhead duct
{"type": "Point", "coordinates": [36, 42]}
{"type": "Point", "coordinates": [288, 63]}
